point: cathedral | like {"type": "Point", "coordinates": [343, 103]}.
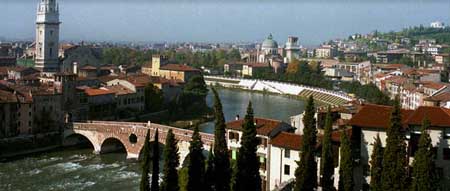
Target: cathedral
{"type": "Point", "coordinates": [47, 37]}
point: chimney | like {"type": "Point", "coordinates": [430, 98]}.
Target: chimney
{"type": "Point", "coordinates": [75, 67]}
{"type": "Point", "coordinates": [237, 117]}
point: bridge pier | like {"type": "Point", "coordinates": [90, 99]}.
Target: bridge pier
{"type": "Point", "coordinates": [132, 156]}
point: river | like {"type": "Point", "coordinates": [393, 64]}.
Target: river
{"type": "Point", "coordinates": [79, 169]}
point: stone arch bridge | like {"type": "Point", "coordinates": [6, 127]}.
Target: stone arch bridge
{"type": "Point", "coordinates": [131, 135]}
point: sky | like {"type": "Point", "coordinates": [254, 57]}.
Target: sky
{"type": "Point", "coordinates": [221, 21]}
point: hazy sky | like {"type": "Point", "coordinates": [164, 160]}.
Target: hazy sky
{"type": "Point", "coordinates": [219, 21]}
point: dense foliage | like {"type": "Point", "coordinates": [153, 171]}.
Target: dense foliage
{"type": "Point", "coordinates": [247, 177]}
{"type": "Point", "coordinates": [299, 72]}
{"type": "Point", "coordinates": [210, 178]}
{"type": "Point", "coordinates": [171, 162]}
{"type": "Point", "coordinates": [395, 163]}
{"type": "Point", "coordinates": [128, 56]}
{"type": "Point", "coordinates": [376, 167]}
{"type": "Point", "coordinates": [306, 172]}
{"type": "Point", "coordinates": [346, 182]}
{"type": "Point", "coordinates": [146, 160]}
{"type": "Point", "coordinates": [153, 98]}
{"type": "Point", "coordinates": [368, 92]}
{"type": "Point", "coordinates": [196, 165]}
{"type": "Point", "coordinates": [326, 162]}
{"type": "Point", "coordinates": [424, 175]}
{"type": "Point", "coordinates": [222, 170]}
{"type": "Point", "coordinates": [155, 163]}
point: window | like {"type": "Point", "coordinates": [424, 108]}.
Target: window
{"type": "Point", "coordinates": [234, 154]}
{"type": "Point", "coordinates": [446, 153]}
{"type": "Point", "coordinates": [287, 169]}
{"type": "Point", "coordinates": [51, 33]}
{"type": "Point", "coordinates": [287, 153]}
{"type": "Point", "coordinates": [50, 52]}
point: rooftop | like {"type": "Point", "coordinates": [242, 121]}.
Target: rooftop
{"type": "Point", "coordinates": [263, 126]}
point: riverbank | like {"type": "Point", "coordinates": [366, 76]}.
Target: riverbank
{"type": "Point", "coordinates": [328, 97]}
{"type": "Point", "coordinates": [296, 97]}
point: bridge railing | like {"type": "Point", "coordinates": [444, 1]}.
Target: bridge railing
{"type": "Point", "coordinates": [107, 126]}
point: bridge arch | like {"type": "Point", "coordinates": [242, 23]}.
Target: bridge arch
{"type": "Point", "coordinates": [76, 138]}
{"type": "Point", "coordinates": [112, 144]}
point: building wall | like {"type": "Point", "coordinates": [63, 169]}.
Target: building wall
{"type": "Point", "coordinates": [278, 162]}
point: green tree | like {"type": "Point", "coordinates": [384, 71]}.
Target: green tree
{"type": "Point", "coordinates": [145, 184]}
{"type": "Point", "coordinates": [193, 98]}
{"type": "Point", "coordinates": [155, 164]}
{"type": "Point", "coordinates": [222, 170]}
{"type": "Point", "coordinates": [153, 98]}
{"type": "Point", "coordinates": [376, 165]}
{"type": "Point", "coordinates": [327, 163]}
{"type": "Point", "coordinates": [424, 172]}
{"type": "Point", "coordinates": [395, 163]}
{"type": "Point", "coordinates": [346, 164]}
{"type": "Point", "coordinates": [306, 172]}
{"type": "Point", "coordinates": [196, 165]}
{"type": "Point", "coordinates": [247, 177]}
{"type": "Point", "coordinates": [171, 162]}
{"type": "Point", "coordinates": [209, 173]}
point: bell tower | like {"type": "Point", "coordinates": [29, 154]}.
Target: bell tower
{"type": "Point", "coordinates": [47, 37]}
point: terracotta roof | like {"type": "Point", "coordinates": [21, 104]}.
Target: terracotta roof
{"type": "Point", "coordinates": [439, 117]}
{"type": "Point", "coordinates": [287, 140]}
{"type": "Point", "coordinates": [178, 67]}
{"type": "Point", "coordinates": [376, 116]}
{"type": "Point", "coordinates": [88, 67]}
{"type": "Point", "coordinates": [444, 96]}
{"type": "Point", "coordinates": [263, 126]}
{"type": "Point", "coordinates": [97, 92]}
{"type": "Point", "coordinates": [434, 85]}
{"type": "Point", "coordinates": [7, 97]}
{"type": "Point", "coordinates": [120, 90]}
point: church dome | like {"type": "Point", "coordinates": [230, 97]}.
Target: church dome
{"type": "Point", "coordinates": [269, 43]}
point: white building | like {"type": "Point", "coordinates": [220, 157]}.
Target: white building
{"type": "Point", "coordinates": [47, 37]}
{"type": "Point", "coordinates": [437, 24]}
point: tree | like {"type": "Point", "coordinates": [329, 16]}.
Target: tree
{"type": "Point", "coordinates": [145, 184]}
{"type": "Point", "coordinates": [209, 173]}
{"type": "Point", "coordinates": [153, 98]}
{"type": "Point", "coordinates": [376, 165]}
{"type": "Point", "coordinates": [424, 172]}
{"type": "Point", "coordinates": [193, 98]}
{"type": "Point", "coordinates": [293, 66]}
{"type": "Point", "coordinates": [222, 170]}
{"type": "Point", "coordinates": [395, 163]}
{"type": "Point", "coordinates": [196, 165]}
{"type": "Point", "coordinates": [171, 162]}
{"type": "Point", "coordinates": [327, 163]}
{"type": "Point", "coordinates": [345, 164]}
{"type": "Point", "coordinates": [247, 177]}
{"type": "Point", "coordinates": [155, 164]}
{"type": "Point", "coordinates": [306, 172]}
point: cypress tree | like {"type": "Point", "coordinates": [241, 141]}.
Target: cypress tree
{"type": "Point", "coordinates": [196, 165]}
{"type": "Point", "coordinates": [145, 184]}
{"type": "Point", "coordinates": [346, 164]}
{"type": "Point", "coordinates": [376, 165]}
{"type": "Point", "coordinates": [424, 172]}
{"type": "Point", "coordinates": [247, 177]}
{"type": "Point", "coordinates": [327, 163]}
{"type": "Point", "coordinates": [155, 164]}
{"type": "Point", "coordinates": [222, 169]}
{"type": "Point", "coordinates": [171, 162]}
{"type": "Point", "coordinates": [306, 172]}
{"type": "Point", "coordinates": [209, 173]}
{"type": "Point", "coordinates": [395, 163]}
